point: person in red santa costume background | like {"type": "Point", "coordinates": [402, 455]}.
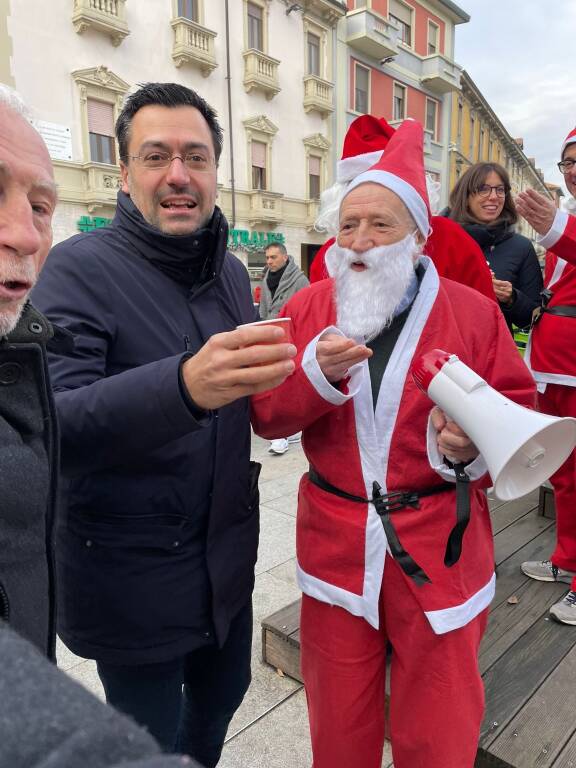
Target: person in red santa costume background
{"type": "Point", "coordinates": [454, 253]}
{"type": "Point", "coordinates": [551, 355]}
{"type": "Point", "coordinates": [370, 574]}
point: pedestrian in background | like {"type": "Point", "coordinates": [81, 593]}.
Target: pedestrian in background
{"type": "Point", "coordinates": [281, 280]}
{"type": "Point", "coordinates": [481, 202]}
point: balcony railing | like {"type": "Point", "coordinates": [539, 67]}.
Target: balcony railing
{"type": "Point", "coordinates": [193, 44]}
{"type": "Point", "coordinates": [261, 73]}
{"type": "Point", "coordinates": [318, 95]}
{"type": "Point", "coordinates": [107, 16]}
{"type": "Point", "coordinates": [440, 74]}
{"type": "Point", "coordinates": [265, 207]}
{"type": "Point", "coordinates": [371, 34]}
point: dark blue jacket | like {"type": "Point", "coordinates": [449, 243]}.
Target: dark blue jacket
{"type": "Point", "coordinates": [158, 538]}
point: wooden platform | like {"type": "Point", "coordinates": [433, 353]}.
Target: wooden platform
{"type": "Point", "coordinates": [527, 660]}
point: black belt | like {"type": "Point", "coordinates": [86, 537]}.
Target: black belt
{"type": "Point", "coordinates": [560, 310]}
{"type": "Point", "coordinates": [385, 503]}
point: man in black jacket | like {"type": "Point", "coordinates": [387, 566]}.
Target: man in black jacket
{"type": "Point", "coordinates": [159, 531]}
{"type": "Point", "coordinates": [28, 455]}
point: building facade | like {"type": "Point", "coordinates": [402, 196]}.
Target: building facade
{"type": "Point", "coordinates": [477, 135]}
{"type": "Point", "coordinates": [397, 59]}
{"type": "Point", "coordinates": [74, 63]}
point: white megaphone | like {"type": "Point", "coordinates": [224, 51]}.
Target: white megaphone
{"type": "Point", "coordinates": [521, 448]}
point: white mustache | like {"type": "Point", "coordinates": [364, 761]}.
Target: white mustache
{"type": "Point", "coordinates": [17, 269]}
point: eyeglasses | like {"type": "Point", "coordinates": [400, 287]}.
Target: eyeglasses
{"type": "Point", "coordinates": [194, 161]}
{"type": "Point", "coordinates": [485, 190]}
{"type": "Point", "coordinates": [566, 166]}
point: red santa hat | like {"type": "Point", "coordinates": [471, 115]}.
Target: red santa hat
{"type": "Point", "coordinates": [570, 139]}
{"type": "Point", "coordinates": [365, 140]}
{"type": "Point", "coordinates": [401, 169]}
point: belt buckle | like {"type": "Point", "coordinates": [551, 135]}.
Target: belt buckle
{"type": "Point", "coordinates": [393, 501]}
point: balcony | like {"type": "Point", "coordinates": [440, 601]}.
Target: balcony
{"type": "Point", "coordinates": [312, 211]}
{"type": "Point", "coordinates": [439, 74]}
{"type": "Point", "coordinates": [318, 95]}
{"type": "Point", "coordinates": [261, 73]}
{"type": "Point", "coordinates": [265, 207]}
{"type": "Point", "coordinates": [371, 34]}
{"type": "Point", "coordinates": [193, 44]}
{"type": "Point", "coordinates": [107, 16]}
{"type": "Point", "coordinates": [102, 183]}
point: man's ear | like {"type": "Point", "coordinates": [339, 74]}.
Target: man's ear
{"type": "Point", "coordinates": [124, 176]}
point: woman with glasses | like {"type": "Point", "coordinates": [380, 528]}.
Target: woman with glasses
{"type": "Point", "coordinates": [482, 204]}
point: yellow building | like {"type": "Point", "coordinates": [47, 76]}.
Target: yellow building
{"type": "Point", "coordinates": [477, 135]}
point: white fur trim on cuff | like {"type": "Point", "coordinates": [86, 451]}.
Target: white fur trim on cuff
{"type": "Point", "coordinates": [475, 470]}
{"type": "Point", "coordinates": [555, 232]}
{"type": "Point", "coordinates": [320, 382]}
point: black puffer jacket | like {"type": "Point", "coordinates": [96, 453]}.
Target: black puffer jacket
{"type": "Point", "coordinates": [511, 257]}
{"type": "Point", "coordinates": [28, 472]}
{"type": "Point", "coordinates": [159, 531]}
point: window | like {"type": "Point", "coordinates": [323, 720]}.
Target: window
{"type": "Point", "coordinates": [432, 117]}
{"type": "Point", "coordinates": [258, 165]}
{"type": "Point", "coordinates": [360, 3]}
{"type": "Point", "coordinates": [255, 27]}
{"type": "Point", "coordinates": [399, 109]}
{"type": "Point", "coordinates": [188, 9]}
{"type": "Point", "coordinates": [459, 126]}
{"type": "Point", "coordinates": [401, 15]}
{"type": "Point", "coordinates": [481, 145]}
{"type": "Point", "coordinates": [313, 54]}
{"type": "Point", "coordinates": [101, 132]}
{"type": "Point", "coordinates": [472, 136]}
{"type": "Point", "coordinates": [314, 173]}
{"type": "Point", "coordinates": [433, 38]}
{"type": "Point", "coordinates": [361, 89]}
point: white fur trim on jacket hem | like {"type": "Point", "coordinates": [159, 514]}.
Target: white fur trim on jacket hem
{"type": "Point", "coordinates": [448, 619]}
{"type": "Point", "coordinates": [320, 382]}
{"type": "Point", "coordinates": [555, 232]}
{"type": "Point", "coordinates": [475, 470]}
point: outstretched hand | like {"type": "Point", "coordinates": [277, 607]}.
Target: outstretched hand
{"type": "Point", "coordinates": [538, 210]}
{"type": "Point", "coordinates": [336, 354]}
{"type": "Point", "coordinates": [453, 442]}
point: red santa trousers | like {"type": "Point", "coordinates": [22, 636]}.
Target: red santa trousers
{"type": "Point", "coordinates": [560, 400]}
{"type": "Point", "coordinates": [436, 692]}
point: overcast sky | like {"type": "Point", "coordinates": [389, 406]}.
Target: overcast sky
{"type": "Point", "coordinates": [518, 54]}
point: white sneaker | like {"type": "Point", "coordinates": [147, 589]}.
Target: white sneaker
{"type": "Point", "coordinates": [543, 570]}
{"type": "Point", "coordinates": [565, 610]}
{"type": "Point", "coordinates": [279, 446]}
{"type": "Point", "coordinates": [295, 438]}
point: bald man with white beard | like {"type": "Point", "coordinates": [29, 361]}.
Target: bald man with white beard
{"type": "Point", "coordinates": [378, 507]}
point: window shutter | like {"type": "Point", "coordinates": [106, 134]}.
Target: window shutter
{"type": "Point", "coordinates": [314, 165]}
{"type": "Point", "coordinates": [100, 118]}
{"type": "Point", "coordinates": [400, 11]}
{"type": "Point", "coordinates": [258, 154]}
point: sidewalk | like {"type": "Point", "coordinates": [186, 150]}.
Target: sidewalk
{"type": "Point", "coordinates": [270, 730]}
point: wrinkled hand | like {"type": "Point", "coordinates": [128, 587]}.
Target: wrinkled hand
{"type": "Point", "coordinates": [238, 364]}
{"type": "Point", "coordinates": [335, 354]}
{"type": "Point", "coordinates": [538, 210]}
{"type": "Point", "coordinates": [452, 441]}
{"type": "Point", "coordinates": [503, 290]}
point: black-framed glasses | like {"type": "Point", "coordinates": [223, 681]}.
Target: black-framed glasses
{"type": "Point", "coordinates": [194, 161]}
{"type": "Point", "coordinates": [485, 190]}
{"type": "Point", "coordinates": [565, 166]}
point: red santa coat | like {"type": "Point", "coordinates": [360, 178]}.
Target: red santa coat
{"type": "Point", "coordinates": [455, 255]}
{"type": "Point", "coordinates": [341, 545]}
{"type": "Point", "coordinates": [551, 351]}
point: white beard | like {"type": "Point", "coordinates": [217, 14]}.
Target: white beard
{"type": "Point", "coordinates": [17, 268]}
{"type": "Point", "coordinates": [366, 301]}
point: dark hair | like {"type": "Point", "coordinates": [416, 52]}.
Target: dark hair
{"type": "Point", "coordinates": [281, 247]}
{"type": "Point", "coordinates": [166, 95]}
{"type": "Point", "coordinates": [469, 184]}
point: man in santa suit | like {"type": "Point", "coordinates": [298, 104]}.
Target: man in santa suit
{"type": "Point", "coordinates": [551, 355]}
{"type": "Point", "coordinates": [372, 573]}
{"type": "Point", "coordinates": [454, 253]}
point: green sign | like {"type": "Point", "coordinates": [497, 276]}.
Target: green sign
{"type": "Point", "coordinates": [88, 223]}
{"type": "Point", "coordinates": [242, 238]}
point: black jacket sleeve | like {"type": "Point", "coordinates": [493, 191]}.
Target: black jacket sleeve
{"type": "Point", "coordinates": [46, 719]}
{"type": "Point", "coordinates": [104, 419]}
{"type": "Point", "coordinates": [527, 290]}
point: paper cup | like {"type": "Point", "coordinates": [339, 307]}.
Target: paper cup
{"type": "Point", "coordinates": [280, 322]}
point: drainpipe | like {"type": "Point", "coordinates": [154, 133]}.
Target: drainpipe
{"type": "Point", "coordinates": [230, 132]}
